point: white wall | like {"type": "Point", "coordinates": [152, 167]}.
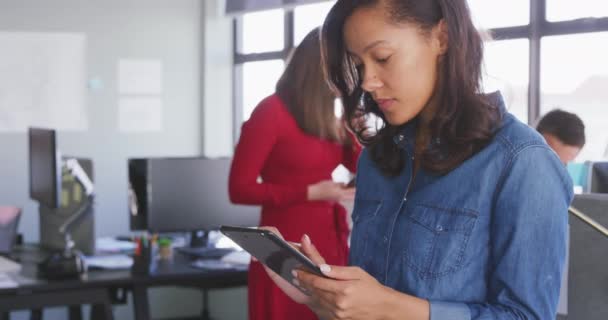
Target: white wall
{"type": "Point", "coordinates": [217, 79]}
{"type": "Point", "coordinates": [193, 41]}
{"type": "Point", "coordinates": [218, 125]}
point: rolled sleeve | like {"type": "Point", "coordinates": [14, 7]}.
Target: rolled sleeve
{"type": "Point", "coordinates": [441, 310]}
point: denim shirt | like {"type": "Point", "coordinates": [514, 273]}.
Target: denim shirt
{"type": "Point", "coordinates": [487, 240]}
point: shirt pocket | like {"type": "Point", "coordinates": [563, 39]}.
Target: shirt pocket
{"type": "Point", "coordinates": [364, 212]}
{"type": "Point", "coordinates": [437, 239]}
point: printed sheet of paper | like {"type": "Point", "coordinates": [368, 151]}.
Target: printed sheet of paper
{"type": "Point", "coordinates": [140, 77]}
{"type": "Point", "coordinates": [140, 114]}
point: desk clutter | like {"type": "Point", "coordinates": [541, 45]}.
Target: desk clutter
{"type": "Point", "coordinates": [8, 268]}
{"type": "Point", "coordinates": [235, 260]}
{"type": "Point", "coordinates": [166, 196]}
{"type": "Point", "coordinates": [9, 219]}
{"type": "Point", "coordinates": [105, 286]}
{"type": "Point", "coordinates": [142, 253]}
{"type": "Point", "coordinates": [145, 254]}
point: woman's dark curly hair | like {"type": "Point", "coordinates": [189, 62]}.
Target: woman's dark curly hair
{"type": "Point", "coordinates": [464, 121]}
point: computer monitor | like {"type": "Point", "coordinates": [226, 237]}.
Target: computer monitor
{"type": "Point", "coordinates": [45, 167]}
{"type": "Point", "coordinates": [184, 194]}
{"type": "Point", "coordinates": [599, 177]}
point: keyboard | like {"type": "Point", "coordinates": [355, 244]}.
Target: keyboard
{"type": "Point", "coordinates": [204, 252]}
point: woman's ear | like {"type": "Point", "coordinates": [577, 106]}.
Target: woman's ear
{"type": "Point", "coordinates": [440, 36]}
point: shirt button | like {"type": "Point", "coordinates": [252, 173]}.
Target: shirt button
{"type": "Point", "coordinates": [439, 228]}
{"type": "Point", "coordinates": [385, 239]}
{"type": "Point", "coordinates": [400, 137]}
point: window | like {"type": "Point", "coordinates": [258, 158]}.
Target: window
{"type": "Point", "coordinates": [506, 69]}
{"type": "Point", "coordinates": [558, 10]}
{"type": "Point", "coordinates": [308, 17]}
{"type": "Point", "coordinates": [566, 69]}
{"type": "Point", "coordinates": [263, 31]}
{"type": "Point", "coordinates": [574, 78]}
{"type": "Point", "coordinates": [259, 81]}
{"type": "Point", "coordinates": [489, 14]}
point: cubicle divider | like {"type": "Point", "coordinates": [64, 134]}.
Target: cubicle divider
{"type": "Point", "coordinates": [588, 260]}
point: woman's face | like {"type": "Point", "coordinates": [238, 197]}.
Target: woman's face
{"type": "Point", "coordinates": [398, 63]}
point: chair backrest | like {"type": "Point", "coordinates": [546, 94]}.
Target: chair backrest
{"type": "Point", "coordinates": [9, 220]}
{"type": "Point", "coordinates": [588, 261]}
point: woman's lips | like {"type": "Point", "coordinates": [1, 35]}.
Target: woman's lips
{"type": "Point", "coordinates": [385, 104]}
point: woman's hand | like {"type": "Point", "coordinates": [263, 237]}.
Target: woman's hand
{"type": "Point", "coordinates": [352, 293]}
{"type": "Point", "coordinates": [330, 191]}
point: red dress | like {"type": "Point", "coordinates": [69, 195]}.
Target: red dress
{"type": "Point", "coordinates": [273, 147]}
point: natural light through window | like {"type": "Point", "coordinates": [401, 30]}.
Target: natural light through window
{"type": "Point", "coordinates": [308, 17]}
{"type": "Point", "coordinates": [259, 81]}
{"type": "Point", "coordinates": [574, 77]}
{"type": "Point", "coordinates": [489, 14]}
{"type": "Point", "coordinates": [558, 10]}
{"type": "Point", "coordinates": [506, 69]}
{"type": "Point", "coordinates": [263, 31]}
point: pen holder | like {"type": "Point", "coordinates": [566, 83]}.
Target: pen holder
{"type": "Point", "coordinates": [144, 261]}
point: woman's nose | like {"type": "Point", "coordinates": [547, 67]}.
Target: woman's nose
{"type": "Point", "coordinates": [371, 82]}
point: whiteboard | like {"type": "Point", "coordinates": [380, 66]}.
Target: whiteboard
{"type": "Point", "coordinates": [42, 81]}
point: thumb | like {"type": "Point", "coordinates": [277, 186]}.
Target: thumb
{"type": "Point", "coordinates": [342, 273]}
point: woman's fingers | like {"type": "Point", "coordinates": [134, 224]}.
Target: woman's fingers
{"type": "Point", "coordinates": [311, 251]}
{"type": "Point", "coordinates": [295, 245]}
{"type": "Point", "coordinates": [273, 230]}
{"type": "Point", "coordinates": [348, 194]}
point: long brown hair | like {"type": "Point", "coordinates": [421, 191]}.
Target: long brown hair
{"type": "Point", "coordinates": [464, 121]}
{"type": "Point", "coordinates": [308, 97]}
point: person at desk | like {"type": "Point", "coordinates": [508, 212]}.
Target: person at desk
{"type": "Point", "coordinates": [564, 133]}
{"type": "Point", "coordinates": [460, 209]}
{"type": "Point", "coordinates": [294, 141]}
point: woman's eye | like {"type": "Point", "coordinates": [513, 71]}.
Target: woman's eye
{"type": "Point", "coordinates": [383, 60]}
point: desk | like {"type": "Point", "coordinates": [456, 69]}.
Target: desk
{"type": "Point", "coordinates": [99, 288]}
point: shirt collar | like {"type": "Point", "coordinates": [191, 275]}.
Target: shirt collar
{"type": "Point", "coordinates": [406, 135]}
{"type": "Point", "coordinates": [495, 99]}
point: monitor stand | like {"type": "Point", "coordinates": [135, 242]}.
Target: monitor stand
{"type": "Point", "coordinates": [199, 239]}
{"type": "Point", "coordinates": [199, 247]}
{"type": "Point", "coordinates": [51, 219]}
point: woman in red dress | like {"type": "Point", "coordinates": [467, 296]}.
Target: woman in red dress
{"type": "Point", "coordinates": [293, 142]}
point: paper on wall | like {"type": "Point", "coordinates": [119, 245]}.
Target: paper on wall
{"type": "Point", "coordinates": [140, 114]}
{"type": "Point", "coordinates": [140, 76]}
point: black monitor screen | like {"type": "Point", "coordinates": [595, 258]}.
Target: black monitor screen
{"type": "Point", "coordinates": [599, 177]}
{"type": "Point", "coordinates": [188, 194]}
{"type": "Point", "coordinates": [45, 167]}
{"type": "Point", "coordinates": [138, 193]}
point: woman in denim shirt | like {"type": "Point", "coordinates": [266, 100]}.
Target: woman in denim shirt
{"type": "Point", "coordinates": [460, 209]}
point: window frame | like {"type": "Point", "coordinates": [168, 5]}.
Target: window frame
{"type": "Point", "coordinates": [537, 28]}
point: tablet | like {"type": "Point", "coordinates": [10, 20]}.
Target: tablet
{"type": "Point", "coordinates": [272, 251]}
